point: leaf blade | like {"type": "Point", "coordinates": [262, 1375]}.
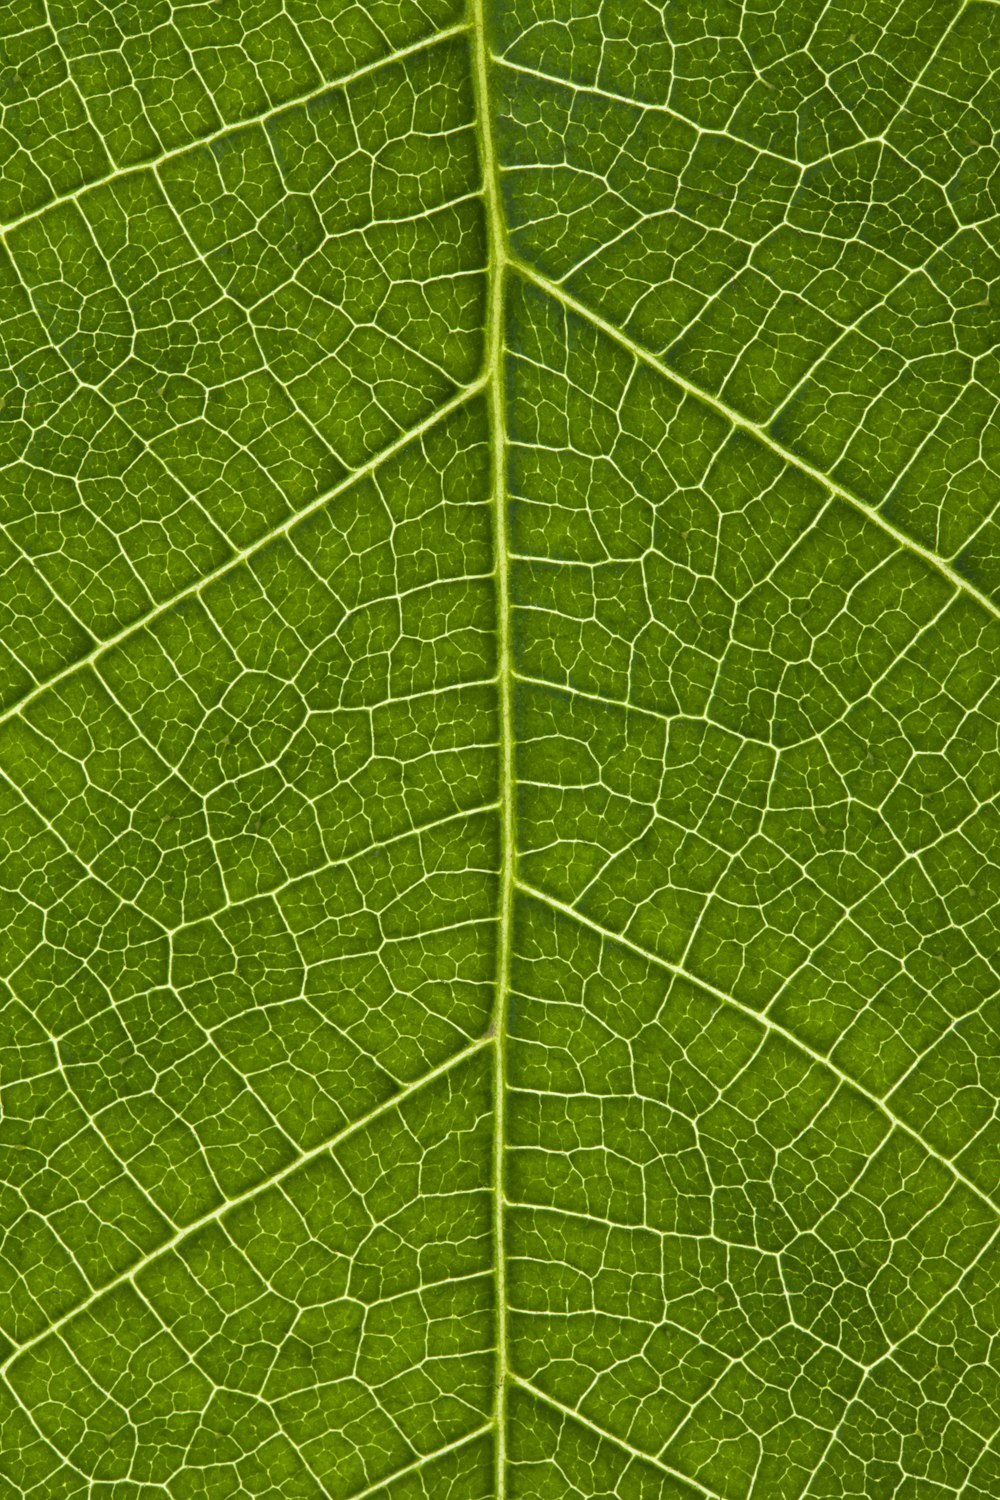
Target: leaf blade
{"type": "Point", "coordinates": [499, 753]}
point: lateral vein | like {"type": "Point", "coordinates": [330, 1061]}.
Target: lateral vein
{"type": "Point", "coordinates": [215, 1214]}
{"type": "Point", "coordinates": [647, 357]}
{"type": "Point", "coordinates": [245, 553]}
{"type": "Point", "coordinates": [328, 86]}
{"type": "Point", "coordinates": [610, 1437]}
{"type": "Point", "coordinates": [381, 1485]}
{"type": "Point", "coordinates": [767, 1024]}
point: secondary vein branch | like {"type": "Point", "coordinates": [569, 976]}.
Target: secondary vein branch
{"type": "Point", "coordinates": [787, 455]}
{"type": "Point", "coordinates": [330, 1143]}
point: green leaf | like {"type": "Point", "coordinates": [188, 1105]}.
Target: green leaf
{"type": "Point", "coordinates": [499, 750]}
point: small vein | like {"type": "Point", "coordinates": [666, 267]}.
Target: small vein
{"type": "Point", "coordinates": [645, 106]}
{"type": "Point", "coordinates": [604, 698]}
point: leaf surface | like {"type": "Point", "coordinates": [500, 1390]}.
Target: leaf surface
{"type": "Point", "coordinates": [499, 751]}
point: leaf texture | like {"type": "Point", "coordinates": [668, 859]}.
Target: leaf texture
{"type": "Point", "coordinates": [499, 750]}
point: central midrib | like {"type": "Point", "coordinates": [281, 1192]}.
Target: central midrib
{"type": "Point", "coordinates": [497, 265]}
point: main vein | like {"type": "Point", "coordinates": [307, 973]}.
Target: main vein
{"type": "Point", "coordinates": [494, 353]}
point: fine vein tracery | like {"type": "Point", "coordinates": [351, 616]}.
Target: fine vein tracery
{"type": "Point", "coordinates": [498, 752]}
